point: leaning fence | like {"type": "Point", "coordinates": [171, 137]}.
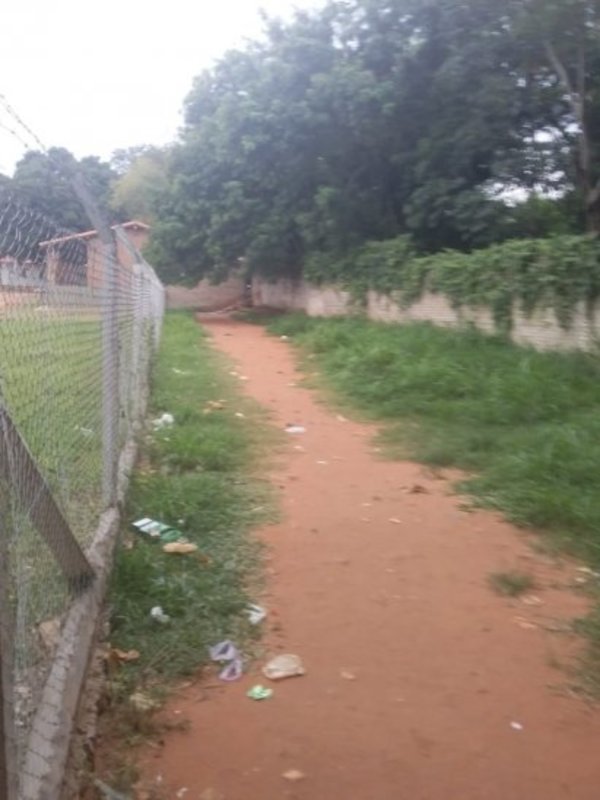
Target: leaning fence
{"type": "Point", "coordinates": [80, 317]}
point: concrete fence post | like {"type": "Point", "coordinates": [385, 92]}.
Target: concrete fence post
{"type": "Point", "coordinates": [110, 342]}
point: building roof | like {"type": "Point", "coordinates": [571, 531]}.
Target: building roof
{"type": "Point", "coordinates": [132, 225]}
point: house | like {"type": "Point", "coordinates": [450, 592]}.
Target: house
{"type": "Point", "coordinates": [76, 260]}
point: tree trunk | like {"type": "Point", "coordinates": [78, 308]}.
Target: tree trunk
{"type": "Point", "coordinates": [592, 212]}
{"type": "Point", "coordinates": [576, 96]}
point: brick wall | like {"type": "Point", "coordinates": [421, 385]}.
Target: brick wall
{"type": "Point", "coordinates": [541, 330]}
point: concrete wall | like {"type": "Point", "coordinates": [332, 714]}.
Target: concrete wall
{"type": "Point", "coordinates": [207, 296]}
{"type": "Point", "coordinates": [542, 330]}
{"type": "Point", "coordinates": [317, 301]}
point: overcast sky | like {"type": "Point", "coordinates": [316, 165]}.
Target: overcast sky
{"type": "Point", "coordinates": [94, 77]}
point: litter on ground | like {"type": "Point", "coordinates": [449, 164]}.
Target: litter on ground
{"type": "Point", "coordinates": [157, 530]}
{"type": "Point", "coordinates": [232, 671]}
{"type": "Point", "coordinates": [295, 429]}
{"type": "Point", "coordinates": [182, 548]}
{"type": "Point", "coordinates": [159, 615]}
{"type": "Point", "coordinates": [224, 651]}
{"type": "Point", "coordinates": [293, 775]}
{"type": "Point", "coordinates": [164, 421]}
{"type": "Point", "coordinates": [532, 600]}
{"type": "Point", "coordinates": [256, 614]}
{"type": "Point", "coordinates": [259, 692]}
{"type": "Point", "coordinates": [283, 666]}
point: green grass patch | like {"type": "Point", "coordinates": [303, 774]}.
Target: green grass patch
{"type": "Point", "coordinates": [511, 583]}
{"type": "Point", "coordinates": [202, 476]}
{"type": "Point", "coordinates": [51, 384]}
{"type": "Point", "coordinates": [199, 477]}
{"type": "Point", "coordinates": [523, 425]}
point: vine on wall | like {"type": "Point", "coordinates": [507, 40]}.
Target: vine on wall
{"type": "Point", "coordinates": [559, 273]}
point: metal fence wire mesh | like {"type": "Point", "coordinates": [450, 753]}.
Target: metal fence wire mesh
{"type": "Point", "coordinates": [78, 325]}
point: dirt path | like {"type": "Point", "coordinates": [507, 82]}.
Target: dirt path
{"type": "Point", "coordinates": [417, 671]}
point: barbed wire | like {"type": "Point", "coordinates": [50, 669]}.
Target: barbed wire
{"type": "Point", "coordinates": [12, 113]}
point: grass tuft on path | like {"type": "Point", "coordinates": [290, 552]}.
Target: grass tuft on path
{"type": "Point", "coordinates": [512, 583]}
{"type": "Point", "coordinates": [198, 477]}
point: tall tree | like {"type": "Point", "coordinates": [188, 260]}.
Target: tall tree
{"type": "Point", "coordinates": [374, 118]}
{"type": "Point", "coordinates": [564, 41]}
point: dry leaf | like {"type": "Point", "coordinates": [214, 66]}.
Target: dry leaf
{"type": "Point", "coordinates": [123, 655]}
{"type": "Point", "coordinates": [182, 548]}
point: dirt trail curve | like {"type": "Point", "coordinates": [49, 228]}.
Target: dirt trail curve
{"type": "Point", "coordinates": [417, 671]}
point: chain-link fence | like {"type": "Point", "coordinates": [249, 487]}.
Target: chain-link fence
{"type": "Point", "coordinates": [80, 316]}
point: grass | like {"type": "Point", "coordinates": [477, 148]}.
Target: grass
{"type": "Point", "coordinates": [196, 476]}
{"type": "Point", "coordinates": [512, 583]}
{"type": "Point", "coordinates": [51, 383]}
{"type": "Point", "coordinates": [524, 426]}
{"type": "Point", "coordinates": [199, 476]}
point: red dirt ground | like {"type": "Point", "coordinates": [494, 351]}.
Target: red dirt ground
{"type": "Point", "coordinates": [415, 668]}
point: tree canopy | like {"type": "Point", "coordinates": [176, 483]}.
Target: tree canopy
{"type": "Point", "coordinates": [365, 120]}
{"type": "Point", "coordinates": [39, 201]}
{"type": "Point", "coordinates": [142, 180]}
{"type": "Point", "coordinates": [42, 182]}
{"type": "Point", "coordinates": [369, 119]}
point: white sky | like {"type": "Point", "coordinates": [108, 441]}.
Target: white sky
{"type": "Point", "coordinates": [94, 77]}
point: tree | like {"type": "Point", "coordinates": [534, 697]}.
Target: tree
{"type": "Point", "coordinates": [43, 182]}
{"type": "Point", "coordinates": [39, 203]}
{"type": "Point", "coordinates": [123, 158]}
{"type": "Point", "coordinates": [564, 42]}
{"type": "Point", "coordinates": [371, 119]}
{"type": "Point", "coordinates": [136, 192]}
